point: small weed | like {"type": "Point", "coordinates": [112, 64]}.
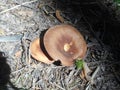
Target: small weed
{"type": "Point", "coordinates": [79, 63]}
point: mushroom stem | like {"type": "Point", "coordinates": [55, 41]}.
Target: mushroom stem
{"type": "Point", "coordinates": [67, 46]}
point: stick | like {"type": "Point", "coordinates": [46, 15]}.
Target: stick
{"type": "Point", "coordinates": [7, 10]}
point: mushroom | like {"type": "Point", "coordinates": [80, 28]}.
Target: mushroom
{"type": "Point", "coordinates": [65, 43]}
{"type": "Point", "coordinates": [37, 53]}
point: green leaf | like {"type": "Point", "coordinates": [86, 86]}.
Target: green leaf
{"type": "Point", "coordinates": [79, 63]}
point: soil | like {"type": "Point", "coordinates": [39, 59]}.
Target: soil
{"type": "Point", "coordinates": [23, 20]}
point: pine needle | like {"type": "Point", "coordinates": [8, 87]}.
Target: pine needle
{"type": "Point", "coordinates": [17, 6]}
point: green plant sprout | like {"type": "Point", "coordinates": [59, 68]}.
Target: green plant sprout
{"type": "Point", "coordinates": [79, 63]}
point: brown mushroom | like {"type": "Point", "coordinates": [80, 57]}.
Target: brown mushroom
{"type": "Point", "coordinates": [37, 53]}
{"type": "Point", "coordinates": [65, 43]}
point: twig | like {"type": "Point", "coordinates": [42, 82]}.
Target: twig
{"type": "Point", "coordinates": [85, 71]}
{"type": "Point", "coordinates": [17, 71]}
{"type": "Point", "coordinates": [92, 78]}
{"type": "Point", "coordinates": [58, 67]}
{"type": "Point", "coordinates": [87, 88]}
{"type": "Point", "coordinates": [58, 86]}
{"type": "Point", "coordinates": [92, 44]}
{"type": "Point", "coordinates": [29, 57]}
{"type": "Point", "coordinates": [94, 74]}
{"type": "Point", "coordinates": [7, 10]}
{"type": "Point", "coordinates": [11, 38]}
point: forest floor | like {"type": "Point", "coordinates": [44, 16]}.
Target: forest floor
{"type": "Point", "coordinates": [21, 21]}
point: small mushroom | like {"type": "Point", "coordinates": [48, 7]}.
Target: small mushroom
{"type": "Point", "coordinates": [65, 43]}
{"type": "Point", "coordinates": [37, 53]}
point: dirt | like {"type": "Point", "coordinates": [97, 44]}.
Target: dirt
{"type": "Point", "coordinates": [23, 20]}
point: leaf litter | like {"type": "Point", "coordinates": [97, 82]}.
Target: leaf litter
{"type": "Point", "coordinates": [29, 74]}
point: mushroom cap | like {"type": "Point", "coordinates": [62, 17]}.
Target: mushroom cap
{"type": "Point", "coordinates": [65, 43]}
{"type": "Point", "coordinates": [37, 53]}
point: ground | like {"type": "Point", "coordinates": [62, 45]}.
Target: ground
{"type": "Point", "coordinates": [23, 20]}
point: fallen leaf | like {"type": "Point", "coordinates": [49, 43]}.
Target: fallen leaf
{"type": "Point", "coordinates": [82, 75]}
{"type": "Point", "coordinates": [85, 71]}
{"type": "Point", "coordinates": [59, 17]}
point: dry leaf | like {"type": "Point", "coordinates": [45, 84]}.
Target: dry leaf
{"type": "Point", "coordinates": [59, 17]}
{"type": "Point", "coordinates": [85, 71]}
{"type": "Point", "coordinates": [82, 75]}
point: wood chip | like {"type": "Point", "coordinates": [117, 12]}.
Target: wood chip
{"type": "Point", "coordinates": [59, 17]}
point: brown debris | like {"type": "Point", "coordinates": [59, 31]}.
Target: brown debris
{"type": "Point", "coordinates": [59, 17]}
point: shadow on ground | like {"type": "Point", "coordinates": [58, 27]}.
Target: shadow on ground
{"type": "Point", "coordinates": [99, 18]}
{"type": "Point", "coordinates": [5, 71]}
